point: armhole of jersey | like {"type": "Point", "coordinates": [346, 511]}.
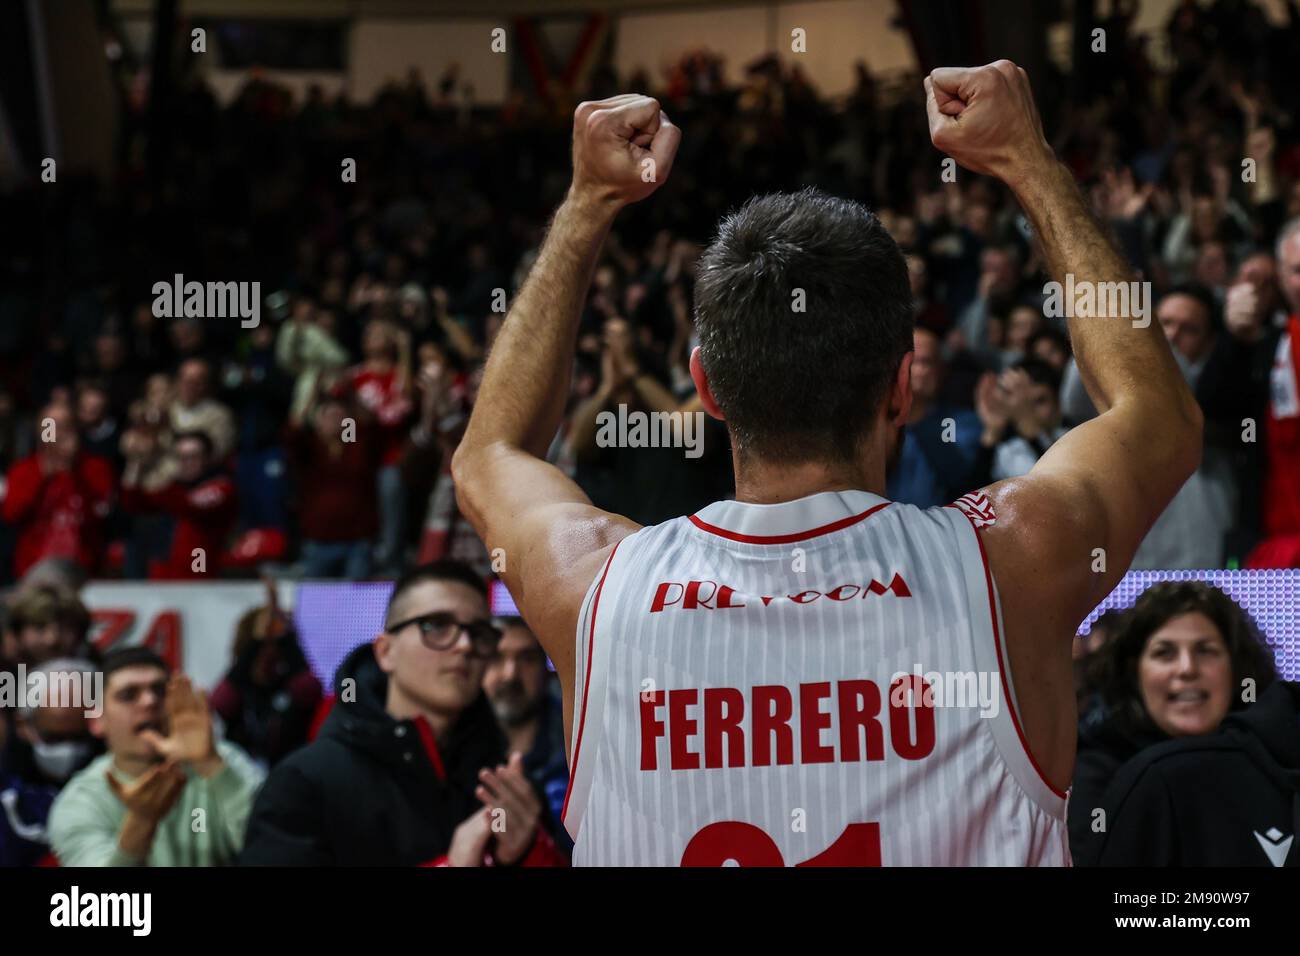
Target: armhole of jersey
{"type": "Point", "coordinates": [991, 656]}
{"type": "Point", "coordinates": [590, 670]}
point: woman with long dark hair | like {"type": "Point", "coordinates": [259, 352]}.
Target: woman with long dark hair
{"type": "Point", "coordinates": [1185, 657]}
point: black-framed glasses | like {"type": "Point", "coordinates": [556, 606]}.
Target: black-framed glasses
{"type": "Point", "coordinates": [440, 631]}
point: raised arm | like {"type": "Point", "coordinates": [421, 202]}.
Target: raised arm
{"type": "Point", "coordinates": [1066, 532]}
{"type": "Point", "coordinates": [552, 538]}
{"type": "Point", "coordinates": [1119, 470]}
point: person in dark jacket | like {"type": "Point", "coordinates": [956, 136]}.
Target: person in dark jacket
{"type": "Point", "coordinates": [269, 696]}
{"type": "Point", "coordinates": [1230, 798]}
{"type": "Point", "coordinates": [409, 767]}
{"type": "Point", "coordinates": [1185, 657]}
{"type": "Point", "coordinates": [519, 688]}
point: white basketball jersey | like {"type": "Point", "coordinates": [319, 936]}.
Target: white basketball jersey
{"type": "Point", "coordinates": [820, 682]}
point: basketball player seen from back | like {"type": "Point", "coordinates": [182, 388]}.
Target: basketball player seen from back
{"type": "Point", "coordinates": [743, 685]}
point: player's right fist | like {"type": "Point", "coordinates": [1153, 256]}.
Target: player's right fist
{"type": "Point", "coordinates": [623, 148]}
{"type": "Point", "coordinates": [985, 118]}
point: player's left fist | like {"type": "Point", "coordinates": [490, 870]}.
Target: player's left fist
{"type": "Point", "coordinates": [623, 148]}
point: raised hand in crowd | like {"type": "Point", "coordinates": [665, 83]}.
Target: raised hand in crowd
{"type": "Point", "coordinates": [508, 796]}
{"type": "Point", "coordinates": [1122, 200]}
{"type": "Point", "coordinates": [189, 739]}
{"type": "Point", "coordinates": [148, 799]}
{"type": "Point", "coordinates": [992, 407]}
{"type": "Point", "coordinates": [1242, 312]}
{"type": "Point", "coordinates": [470, 839]}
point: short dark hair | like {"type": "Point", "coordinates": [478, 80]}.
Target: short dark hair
{"type": "Point", "coordinates": [799, 386]}
{"type": "Point", "coordinates": [135, 655]}
{"type": "Point", "coordinates": [1198, 292]}
{"type": "Point", "coordinates": [1040, 373]}
{"type": "Point", "coordinates": [1048, 334]}
{"type": "Point", "coordinates": [447, 569]}
{"type": "Point", "coordinates": [1158, 604]}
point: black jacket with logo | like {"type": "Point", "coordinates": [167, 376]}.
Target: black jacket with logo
{"type": "Point", "coordinates": [1230, 798]}
{"type": "Point", "coordinates": [372, 790]}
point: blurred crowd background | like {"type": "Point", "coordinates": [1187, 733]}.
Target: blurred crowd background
{"type": "Point", "coordinates": [317, 444]}
{"type": "Point", "coordinates": [381, 298]}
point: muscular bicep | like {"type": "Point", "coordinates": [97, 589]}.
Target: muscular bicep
{"type": "Point", "coordinates": [1062, 537]}
{"type": "Point", "coordinates": [546, 537]}
{"type": "Point", "coordinates": [1077, 518]}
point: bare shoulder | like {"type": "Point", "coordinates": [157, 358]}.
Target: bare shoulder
{"type": "Point", "coordinates": [1048, 546]}
{"type": "Point", "coordinates": [1042, 552]}
{"type": "Point", "coordinates": [569, 547]}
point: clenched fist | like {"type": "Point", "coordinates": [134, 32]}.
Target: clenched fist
{"type": "Point", "coordinates": [984, 117]}
{"type": "Point", "coordinates": [623, 148]}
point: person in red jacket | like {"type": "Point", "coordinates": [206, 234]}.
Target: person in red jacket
{"type": "Point", "coordinates": [58, 497]}
{"type": "Point", "coordinates": [336, 460]}
{"type": "Point", "coordinates": [381, 384]}
{"type": "Point", "coordinates": [1280, 547]}
{"type": "Point", "coordinates": [201, 501]}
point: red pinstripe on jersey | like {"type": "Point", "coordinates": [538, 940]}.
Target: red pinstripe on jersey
{"type": "Point", "coordinates": [1002, 664]}
{"type": "Point", "coordinates": [586, 684]}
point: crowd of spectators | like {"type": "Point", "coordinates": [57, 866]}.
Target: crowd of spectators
{"type": "Point", "coordinates": [319, 441]}
{"type": "Point", "coordinates": [174, 447]}
{"type": "Point", "coordinates": [445, 727]}
{"type": "Point", "coordinates": [447, 723]}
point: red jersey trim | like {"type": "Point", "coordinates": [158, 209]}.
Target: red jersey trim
{"type": "Point", "coordinates": [786, 538]}
{"type": "Point", "coordinates": [997, 646]}
{"type": "Point", "coordinates": [586, 683]}
{"type": "Point", "coordinates": [430, 746]}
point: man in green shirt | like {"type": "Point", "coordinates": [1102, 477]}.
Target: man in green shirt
{"type": "Point", "coordinates": [166, 793]}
